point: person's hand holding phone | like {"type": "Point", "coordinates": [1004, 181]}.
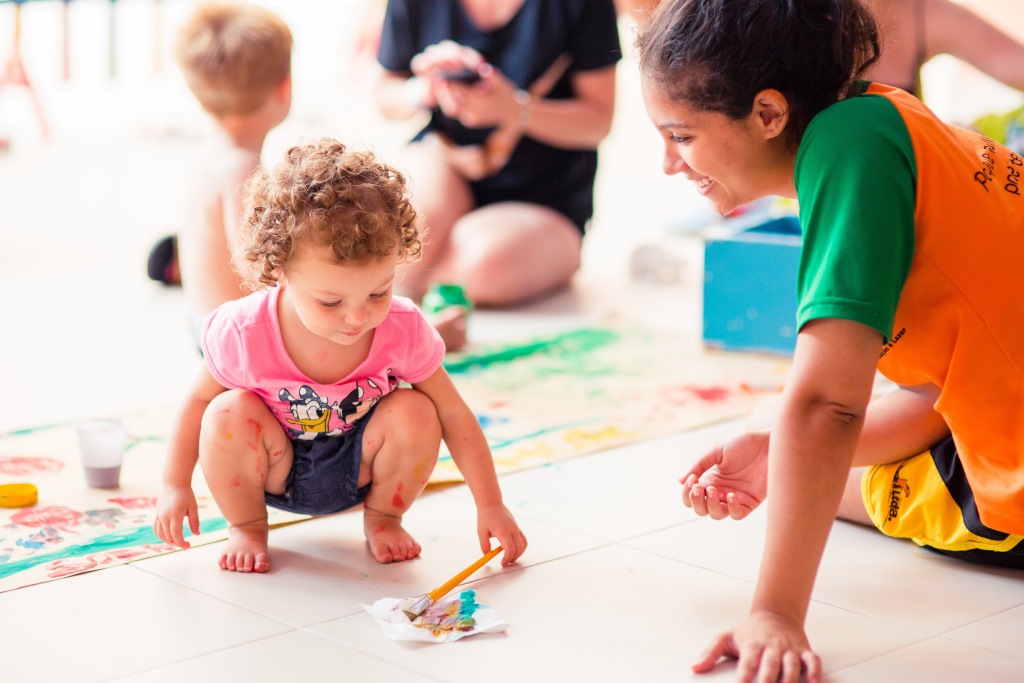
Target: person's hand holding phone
{"type": "Point", "coordinates": [463, 76]}
{"type": "Point", "coordinates": [440, 66]}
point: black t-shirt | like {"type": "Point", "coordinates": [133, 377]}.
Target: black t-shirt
{"type": "Point", "coordinates": [522, 50]}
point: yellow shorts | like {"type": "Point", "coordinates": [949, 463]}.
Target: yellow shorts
{"type": "Point", "coordinates": [927, 499]}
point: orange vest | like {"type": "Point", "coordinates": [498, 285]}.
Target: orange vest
{"type": "Point", "coordinates": [960, 319]}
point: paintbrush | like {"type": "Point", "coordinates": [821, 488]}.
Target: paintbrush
{"type": "Point", "coordinates": [433, 596]}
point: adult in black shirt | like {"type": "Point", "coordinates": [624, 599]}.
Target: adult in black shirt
{"type": "Point", "coordinates": [504, 170]}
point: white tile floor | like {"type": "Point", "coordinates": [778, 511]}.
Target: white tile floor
{"type": "Point", "coordinates": [620, 581]}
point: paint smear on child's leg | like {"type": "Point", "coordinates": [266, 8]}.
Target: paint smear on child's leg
{"type": "Point", "coordinates": [256, 427]}
{"type": "Point", "coordinates": [397, 499]}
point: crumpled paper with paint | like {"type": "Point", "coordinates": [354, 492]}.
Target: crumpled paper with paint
{"type": "Point", "coordinates": [447, 620]}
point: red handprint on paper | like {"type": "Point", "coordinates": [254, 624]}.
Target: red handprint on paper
{"type": "Point", "coordinates": [20, 465]}
{"type": "Point", "coordinates": [57, 516]}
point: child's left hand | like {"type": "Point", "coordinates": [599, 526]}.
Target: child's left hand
{"type": "Point", "coordinates": [495, 521]}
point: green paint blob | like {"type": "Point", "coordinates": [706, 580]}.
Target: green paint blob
{"type": "Point", "coordinates": [569, 345]}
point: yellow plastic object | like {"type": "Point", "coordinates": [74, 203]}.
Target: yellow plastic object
{"type": "Point", "coordinates": [18, 495]}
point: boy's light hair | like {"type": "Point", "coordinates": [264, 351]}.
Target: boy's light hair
{"type": "Point", "coordinates": [233, 56]}
{"type": "Point", "coordinates": [329, 197]}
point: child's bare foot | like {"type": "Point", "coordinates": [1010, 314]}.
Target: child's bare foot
{"type": "Point", "coordinates": [450, 323]}
{"type": "Point", "coordinates": [246, 549]}
{"type": "Point", "coordinates": [388, 541]}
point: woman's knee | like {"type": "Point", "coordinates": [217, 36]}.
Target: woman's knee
{"type": "Point", "coordinates": [496, 272]}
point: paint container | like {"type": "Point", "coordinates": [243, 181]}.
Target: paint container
{"type": "Point", "coordinates": [442, 295]}
{"type": "Point", "coordinates": [18, 495]}
{"type": "Point", "coordinates": [101, 444]}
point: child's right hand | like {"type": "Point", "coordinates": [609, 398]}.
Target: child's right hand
{"type": "Point", "coordinates": [174, 504]}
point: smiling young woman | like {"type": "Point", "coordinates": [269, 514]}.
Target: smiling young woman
{"type": "Point", "coordinates": [764, 97]}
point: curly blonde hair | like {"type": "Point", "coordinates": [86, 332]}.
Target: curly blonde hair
{"type": "Point", "coordinates": [324, 195]}
{"type": "Point", "coordinates": [233, 55]}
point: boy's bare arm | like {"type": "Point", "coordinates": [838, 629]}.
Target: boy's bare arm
{"type": "Point", "coordinates": [211, 235]}
{"type": "Point", "coordinates": [233, 198]}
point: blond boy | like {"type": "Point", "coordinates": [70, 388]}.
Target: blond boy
{"type": "Point", "coordinates": [236, 58]}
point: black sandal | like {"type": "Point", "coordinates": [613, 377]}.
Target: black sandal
{"type": "Point", "coordinates": [163, 261]}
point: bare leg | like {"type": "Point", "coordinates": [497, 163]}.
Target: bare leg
{"type": "Point", "coordinates": [400, 447]}
{"type": "Point", "coordinates": [511, 252]}
{"type": "Point", "coordinates": [243, 452]}
{"type": "Point", "coordinates": [851, 507]}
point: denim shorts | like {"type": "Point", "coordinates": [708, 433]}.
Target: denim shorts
{"type": "Point", "coordinates": [325, 474]}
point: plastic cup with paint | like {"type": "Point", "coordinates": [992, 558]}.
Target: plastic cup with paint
{"type": "Point", "coordinates": [101, 443]}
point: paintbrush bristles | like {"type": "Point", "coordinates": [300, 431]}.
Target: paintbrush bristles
{"type": "Point", "coordinates": [419, 607]}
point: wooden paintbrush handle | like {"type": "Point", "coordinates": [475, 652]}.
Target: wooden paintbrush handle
{"type": "Point", "coordinates": [443, 589]}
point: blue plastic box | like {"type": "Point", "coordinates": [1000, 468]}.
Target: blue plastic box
{"type": "Point", "coordinates": [750, 286]}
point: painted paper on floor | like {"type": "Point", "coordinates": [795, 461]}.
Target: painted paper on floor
{"type": "Point", "coordinates": [538, 402]}
{"type": "Point", "coordinates": [449, 619]}
{"type": "Point", "coordinates": [75, 529]}
{"type": "Point", "coordinates": [591, 389]}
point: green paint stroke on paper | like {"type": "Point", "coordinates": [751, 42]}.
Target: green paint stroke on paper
{"type": "Point", "coordinates": [569, 345]}
{"type": "Point", "coordinates": [32, 430]}
{"type": "Point", "coordinates": [127, 538]}
{"type": "Point", "coordinates": [136, 440]}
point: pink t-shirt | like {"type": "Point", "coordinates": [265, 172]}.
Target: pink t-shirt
{"type": "Point", "coordinates": [242, 344]}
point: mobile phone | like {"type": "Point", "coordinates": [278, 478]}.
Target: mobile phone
{"type": "Point", "coordinates": [465, 75]}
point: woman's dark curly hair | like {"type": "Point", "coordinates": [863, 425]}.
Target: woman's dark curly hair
{"type": "Point", "coordinates": [326, 195]}
{"type": "Point", "coordinates": [716, 55]}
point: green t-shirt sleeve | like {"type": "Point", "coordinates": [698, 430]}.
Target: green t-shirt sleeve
{"type": "Point", "coordinates": [855, 180]}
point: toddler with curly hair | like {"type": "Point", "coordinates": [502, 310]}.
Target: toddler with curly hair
{"type": "Point", "coordinates": [299, 404]}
